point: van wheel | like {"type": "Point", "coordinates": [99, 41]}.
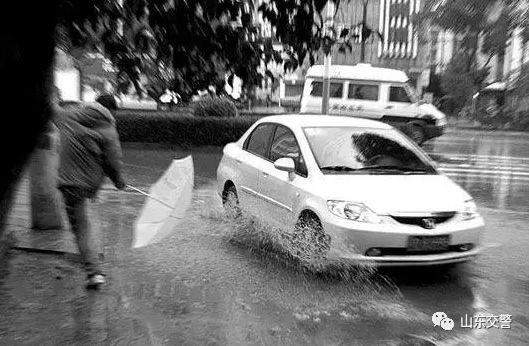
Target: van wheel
{"type": "Point", "coordinates": [311, 244]}
{"type": "Point", "coordinates": [415, 132]}
{"type": "Point", "coordinates": [230, 201]}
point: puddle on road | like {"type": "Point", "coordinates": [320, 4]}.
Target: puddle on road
{"type": "Point", "coordinates": [235, 277]}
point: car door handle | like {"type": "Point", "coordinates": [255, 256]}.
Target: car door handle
{"type": "Point", "coordinates": [265, 174]}
{"type": "Point", "coordinates": [238, 162]}
{"type": "Point", "coordinates": [388, 107]}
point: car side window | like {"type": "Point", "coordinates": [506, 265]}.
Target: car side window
{"type": "Point", "coordinates": [398, 94]}
{"type": "Point", "coordinates": [285, 144]}
{"type": "Point", "coordinates": [258, 141]}
{"type": "Point", "coordinates": [363, 92]}
{"type": "Point", "coordinates": [335, 90]}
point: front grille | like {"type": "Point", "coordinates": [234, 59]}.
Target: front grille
{"type": "Point", "coordinates": [400, 251]}
{"type": "Point", "coordinates": [405, 252]}
{"type": "Point", "coordinates": [437, 218]}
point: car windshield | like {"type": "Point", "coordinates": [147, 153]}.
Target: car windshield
{"type": "Point", "coordinates": [349, 150]}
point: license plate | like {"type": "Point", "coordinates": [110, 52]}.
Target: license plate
{"type": "Point", "coordinates": [428, 243]}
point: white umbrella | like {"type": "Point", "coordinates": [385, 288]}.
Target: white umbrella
{"type": "Point", "coordinates": [167, 202]}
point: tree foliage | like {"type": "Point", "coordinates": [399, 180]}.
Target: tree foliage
{"type": "Point", "coordinates": [493, 20]}
{"type": "Point", "coordinates": [462, 78]}
{"type": "Point", "coordinates": [184, 45]}
{"type": "Point", "coordinates": [188, 45]}
{"type": "Point", "coordinates": [301, 27]}
{"type": "Point", "coordinates": [490, 21]}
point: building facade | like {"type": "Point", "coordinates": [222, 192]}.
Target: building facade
{"type": "Point", "coordinates": [398, 45]}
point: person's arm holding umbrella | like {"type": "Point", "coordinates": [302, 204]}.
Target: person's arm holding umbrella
{"type": "Point", "coordinates": [112, 157]}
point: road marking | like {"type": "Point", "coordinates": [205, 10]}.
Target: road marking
{"type": "Point", "coordinates": [474, 178]}
{"type": "Point", "coordinates": [478, 156]}
{"type": "Point", "coordinates": [499, 169]}
{"type": "Point", "coordinates": [477, 170]}
{"type": "Point", "coordinates": [506, 211]}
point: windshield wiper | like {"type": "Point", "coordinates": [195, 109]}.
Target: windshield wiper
{"type": "Point", "coordinates": [338, 168]}
{"type": "Point", "coordinates": [380, 168]}
{"type": "Point", "coordinates": [397, 168]}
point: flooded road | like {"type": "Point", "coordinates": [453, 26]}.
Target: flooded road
{"type": "Point", "coordinates": [212, 284]}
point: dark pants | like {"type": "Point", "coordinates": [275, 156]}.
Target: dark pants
{"type": "Point", "coordinates": [76, 200]}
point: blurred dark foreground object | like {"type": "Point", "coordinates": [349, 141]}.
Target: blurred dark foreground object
{"type": "Point", "coordinates": [108, 101]}
{"type": "Point", "coordinates": [26, 58]}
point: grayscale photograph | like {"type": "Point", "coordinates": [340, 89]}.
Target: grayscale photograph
{"type": "Point", "coordinates": [265, 172]}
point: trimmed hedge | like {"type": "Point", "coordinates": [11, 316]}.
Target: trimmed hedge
{"type": "Point", "coordinates": [177, 111]}
{"type": "Point", "coordinates": [168, 128]}
{"type": "Point", "coordinates": [214, 107]}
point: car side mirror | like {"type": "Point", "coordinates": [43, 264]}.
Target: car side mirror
{"type": "Point", "coordinates": [285, 164]}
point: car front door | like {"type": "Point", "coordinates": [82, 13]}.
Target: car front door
{"type": "Point", "coordinates": [278, 189]}
{"type": "Point", "coordinates": [250, 164]}
{"type": "Point", "coordinates": [399, 107]}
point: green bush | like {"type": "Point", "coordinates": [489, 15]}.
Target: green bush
{"type": "Point", "coordinates": [519, 121]}
{"type": "Point", "coordinates": [220, 107]}
{"type": "Point", "coordinates": [177, 111]}
{"type": "Point", "coordinates": [187, 130]}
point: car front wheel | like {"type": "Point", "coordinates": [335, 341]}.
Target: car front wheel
{"type": "Point", "coordinates": [311, 244]}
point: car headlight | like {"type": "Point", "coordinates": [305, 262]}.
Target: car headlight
{"type": "Point", "coordinates": [442, 121]}
{"type": "Point", "coordinates": [470, 210]}
{"type": "Point", "coordinates": [353, 211]}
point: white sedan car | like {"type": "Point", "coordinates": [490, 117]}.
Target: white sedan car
{"type": "Point", "coordinates": [364, 189]}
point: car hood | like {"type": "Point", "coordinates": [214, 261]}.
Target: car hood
{"type": "Point", "coordinates": [428, 108]}
{"type": "Point", "coordinates": [393, 194]}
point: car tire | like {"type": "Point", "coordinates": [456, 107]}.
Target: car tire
{"type": "Point", "coordinates": [311, 244]}
{"type": "Point", "coordinates": [416, 133]}
{"type": "Point", "coordinates": [230, 201]}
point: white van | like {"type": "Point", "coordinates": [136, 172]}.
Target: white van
{"type": "Point", "coordinates": [376, 93]}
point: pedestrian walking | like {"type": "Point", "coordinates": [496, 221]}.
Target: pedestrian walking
{"type": "Point", "coordinates": [90, 150]}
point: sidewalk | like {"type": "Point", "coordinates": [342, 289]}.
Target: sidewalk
{"type": "Point", "coordinates": [42, 297]}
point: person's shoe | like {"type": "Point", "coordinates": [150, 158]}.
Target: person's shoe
{"type": "Point", "coordinates": [95, 281]}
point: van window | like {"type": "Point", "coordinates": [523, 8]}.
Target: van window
{"type": "Point", "coordinates": [398, 94]}
{"type": "Point", "coordinates": [336, 89]}
{"type": "Point", "coordinates": [363, 92]}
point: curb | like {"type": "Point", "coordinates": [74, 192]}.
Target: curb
{"type": "Point", "coordinates": [7, 241]}
{"type": "Point", "coordinates": [492, 133]}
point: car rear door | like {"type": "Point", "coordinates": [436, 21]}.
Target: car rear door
{"type": "Point", "coordinates": [399, 107]}
{"type": "Point", "coordinates": [280, 190]}
{"type": "Point", "coordinates": [249, 165]}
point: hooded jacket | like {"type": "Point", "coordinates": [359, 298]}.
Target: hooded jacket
{"type": "Point", "coordinates": [90, 148]}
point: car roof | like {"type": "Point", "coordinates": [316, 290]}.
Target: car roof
{"type": "Point", "coordinates": [318, 120]}
{"type": "Point", "coordinates": [359, 72]}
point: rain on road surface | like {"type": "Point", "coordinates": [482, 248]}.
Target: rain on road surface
{"type": "Point", "coordinates": [209, 283]}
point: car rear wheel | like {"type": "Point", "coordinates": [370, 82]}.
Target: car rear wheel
{"type": "Point", "coordinates": [417, 134]}
{"type": "Point", "coordinates": [230, 201]}
{"type": "Point", "coordinates": [311, 244]}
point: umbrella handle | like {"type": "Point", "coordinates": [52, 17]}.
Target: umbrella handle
{"type": "Point", "coordinates": [149, 195]}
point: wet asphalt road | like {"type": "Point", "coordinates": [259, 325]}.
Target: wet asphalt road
{"type": "Point", "coordinates": [211, 284]}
